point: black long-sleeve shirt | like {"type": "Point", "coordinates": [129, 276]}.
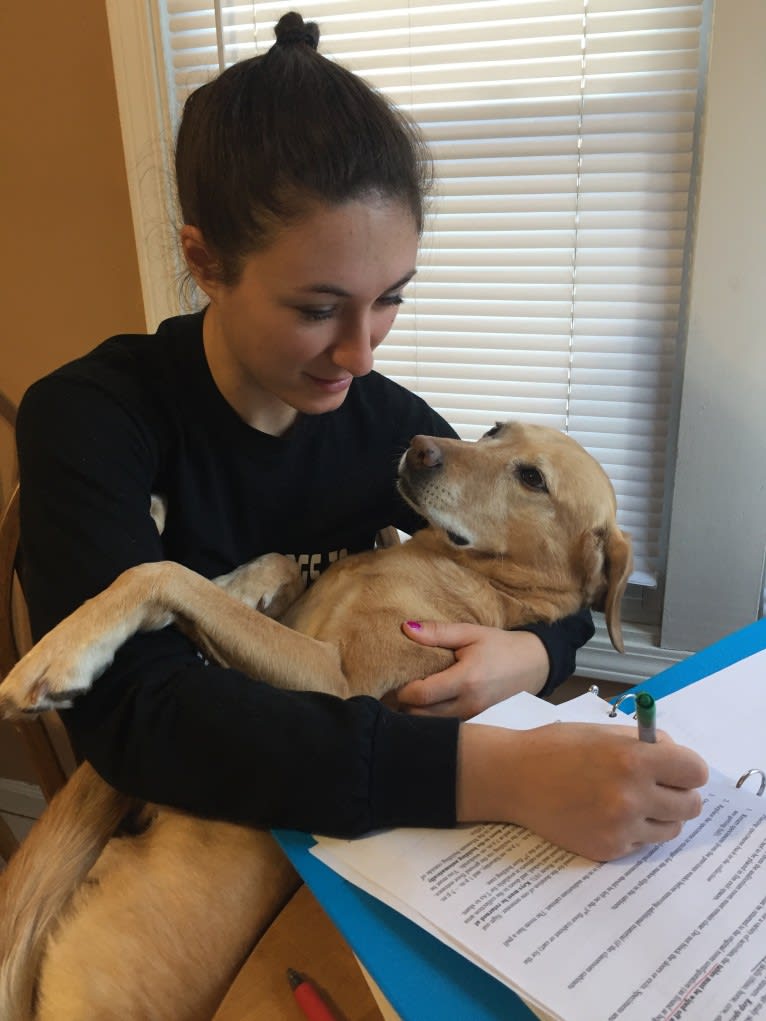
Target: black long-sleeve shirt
{"type": "Point", "coordinates": [142, 415]}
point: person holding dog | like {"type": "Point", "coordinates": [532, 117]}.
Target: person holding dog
{"type": "Point", "coordinates": [260, 421]}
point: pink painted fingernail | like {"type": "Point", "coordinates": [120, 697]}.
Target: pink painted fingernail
{"type": "Point", "coordinates": [414, 624]}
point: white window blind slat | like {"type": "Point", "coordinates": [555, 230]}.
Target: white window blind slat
{"type": "Point", "coordinates": [551, 270]}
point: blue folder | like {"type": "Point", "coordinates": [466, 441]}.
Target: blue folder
{"type": "Point", "coordinates": [421, 977]}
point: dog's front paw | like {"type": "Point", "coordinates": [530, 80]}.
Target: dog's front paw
{"type": "Point", "coordinates": [285, 589]}
{"type": "Point", "coordinates": [269, 584]}
{"type": "Point", "coordinates": [50, 676]}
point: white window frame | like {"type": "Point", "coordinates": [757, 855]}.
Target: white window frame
{"type": "Point", "coordinates": [716, 515]}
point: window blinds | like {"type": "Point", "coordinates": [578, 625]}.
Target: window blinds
{"type": "Point", "coordinates": [551, 273]}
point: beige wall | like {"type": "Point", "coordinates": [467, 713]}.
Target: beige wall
{"type": "Point", "coordinates": [68, 269]}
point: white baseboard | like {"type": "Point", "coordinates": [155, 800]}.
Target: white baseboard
{"type": "Point", "coordinates": [19, 798]}
{"type": "Point", "coordinates": [642, 658]}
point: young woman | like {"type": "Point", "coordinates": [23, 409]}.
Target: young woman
{"type": "Point", "coordinates": [261, 422]}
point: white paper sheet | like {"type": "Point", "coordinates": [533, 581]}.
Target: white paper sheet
{"type": "Point", "coordinates": [673, 932]}
{"type": "Point", "coordinates": [670, 932]}
{"type": "Point", "coordinates": [723, 717]}
{"type": "Point", "coordinates": [524, 711]}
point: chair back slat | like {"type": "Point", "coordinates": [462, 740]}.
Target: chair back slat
{"type": "Point", "coordinates": [9, 546]}
{"type": "Point", "coordinates": [34, 734]}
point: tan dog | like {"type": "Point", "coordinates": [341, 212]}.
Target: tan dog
{"type": "Point", "coordinates": [522, 528]}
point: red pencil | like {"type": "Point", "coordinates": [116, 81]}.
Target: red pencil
{"type": "Point", "coordinates": [308, 998]}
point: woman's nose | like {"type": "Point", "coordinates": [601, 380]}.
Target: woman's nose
{"type": "Point", "coordinates": [353, 350]}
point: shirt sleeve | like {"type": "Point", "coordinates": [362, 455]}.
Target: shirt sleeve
{"type": "Point", "coordinates": [162, 725]}
{"type": "Point", "coordinates": [562, 639]}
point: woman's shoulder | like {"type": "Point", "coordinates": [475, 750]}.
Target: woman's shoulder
{"type": "Point", "coordinates": [128, 356]}
{"type": "Point", "coordinates": [376, 392]}
{"type": "Point", "coordinates": [129, 364]}
{"type": "Point", "coordinates": [136, 377]}
{"type": "Point", "coordinates": [385, 400]}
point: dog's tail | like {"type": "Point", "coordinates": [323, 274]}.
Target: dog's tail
{"type": "Point", "coordinates": [42, 877]}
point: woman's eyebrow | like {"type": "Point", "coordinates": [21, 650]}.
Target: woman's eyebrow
{"type": "Point", "coordinates": [341, 293]}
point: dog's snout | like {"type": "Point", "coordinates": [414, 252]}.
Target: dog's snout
{"type": "Point", "coordinates": [424, 452]}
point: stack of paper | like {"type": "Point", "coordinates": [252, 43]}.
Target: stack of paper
{"type": "Point", "coordinates": [675, 931]}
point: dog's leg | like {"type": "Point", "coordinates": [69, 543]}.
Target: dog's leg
{"type": "Point", "coordinates": [147, 597]}
{"type": "Point", "coordinates": [167, 923]}
{"type": "Point", "coordinates": [270, 584]}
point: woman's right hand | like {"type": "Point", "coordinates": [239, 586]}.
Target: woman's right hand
{"type": "Point", "coordinates": [594, 790]}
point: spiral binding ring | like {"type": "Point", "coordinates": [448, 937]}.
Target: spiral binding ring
{"type": "Point", "coordinates": [754, 772]}
{"type": "Point", "coordinates": [620, 700]}
{"type": "Point", "coordinates": [745, 776]}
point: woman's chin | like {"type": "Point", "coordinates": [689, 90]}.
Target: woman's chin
{"type": "Point", "coordinates": [319, 398]}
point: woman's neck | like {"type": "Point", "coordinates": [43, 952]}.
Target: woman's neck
{"type": "Point", "coordinates": [256, 407]}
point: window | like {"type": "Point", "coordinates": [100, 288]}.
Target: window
{"type": "Point", "coordinates": [552, 284]}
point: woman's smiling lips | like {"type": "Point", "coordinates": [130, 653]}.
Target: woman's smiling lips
{"type": "Point", "coordinates": [332, 386]}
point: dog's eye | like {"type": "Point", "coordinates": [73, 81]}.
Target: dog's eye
{"type": "Point", "coordinates": [532, 478]}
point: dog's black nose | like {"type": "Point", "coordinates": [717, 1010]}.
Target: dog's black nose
{"type": "Point", "coordinates": [423, 452]}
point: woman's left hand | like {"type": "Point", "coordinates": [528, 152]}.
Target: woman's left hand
{"type": "Point", "coordinates": [490, 665]}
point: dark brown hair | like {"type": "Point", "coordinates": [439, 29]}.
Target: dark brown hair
{"type": "Point", "coordinates": [272, 135]}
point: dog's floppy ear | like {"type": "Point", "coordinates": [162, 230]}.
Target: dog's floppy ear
{"type": "Point", "coordinates": [607, 560]}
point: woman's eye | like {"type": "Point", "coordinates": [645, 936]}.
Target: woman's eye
{"type": "Point", "coordinates": [391, 300]}
{"type": "Point", "coordinates": [315, 315]}
{"type": "Point", "coordinates": [532, 479]}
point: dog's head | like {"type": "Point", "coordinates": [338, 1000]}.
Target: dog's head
{"type": "Point", "coordinates": [530, 498]}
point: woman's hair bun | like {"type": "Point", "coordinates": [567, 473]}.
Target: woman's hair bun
{"type": "Point", "coordinates": [292, 29]}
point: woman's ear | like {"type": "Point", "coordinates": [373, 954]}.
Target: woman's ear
{"type": "Point", "coordinates": [202, 262]}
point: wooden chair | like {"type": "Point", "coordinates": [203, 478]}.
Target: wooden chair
{"type": "Point", "coordinates": [43, 737]}
{"type": "Point", "coordinates": [7, 409]}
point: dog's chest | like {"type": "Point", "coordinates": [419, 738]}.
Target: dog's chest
{"type": "Point", "coordinates": [360, 604]}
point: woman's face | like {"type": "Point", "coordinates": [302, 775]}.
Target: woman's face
{"type": "Point", "coordinates": [307, 313]}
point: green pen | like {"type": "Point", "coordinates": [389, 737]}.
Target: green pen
{"type": "Point", "coordinates": [646, 714]}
